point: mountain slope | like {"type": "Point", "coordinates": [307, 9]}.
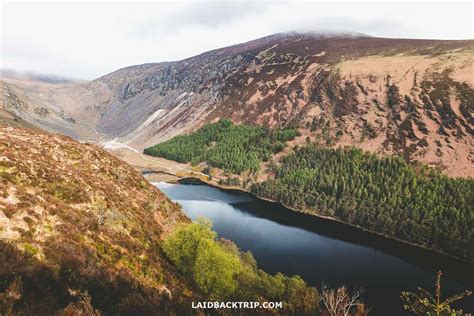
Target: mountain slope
{"type": "Point", "coordinates": [73, 219]}
{"type": "Point", "coordinates": [410, 97]}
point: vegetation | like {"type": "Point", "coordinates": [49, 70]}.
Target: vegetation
{"type": "Point", "coordinates": [82, 307]}
{"type": "Point", "coordinates": [385, 195]}
{"type": "Point", "coordinates": [230, 181]}
{"type": "Point", "coordinates": [84, 239]}
{"type": "Point", "coordinates": [341, 301]}
{"type": "Point", "coordinates": [234, 148]}
{"type": "Point", "coordinates": [9, 297]}
{"type": "Point", "coordinates": [425, 304]}
{"type": "Point", "coordinates": [369, 131]}
{"type": "Point", "coordinates": [225, 273]}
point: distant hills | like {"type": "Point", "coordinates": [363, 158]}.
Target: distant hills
{"type": "Point", "coordinates": [409, 97]}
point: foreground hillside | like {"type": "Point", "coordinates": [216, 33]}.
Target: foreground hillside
{"type": "Point", "coordinates": [74, 219]}
{"type": "Point", "coordinates": [413, 98]}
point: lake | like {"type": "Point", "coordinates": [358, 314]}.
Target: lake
{"type": "Point", "coordinates": [323, 251]}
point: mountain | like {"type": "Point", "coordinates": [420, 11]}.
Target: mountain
{"type": "Point", "coordinates": [390, 96]}
{"type": "Point", "coordinates": [73, 217]}
{"type": "Point", "coordinates": [67, 108]}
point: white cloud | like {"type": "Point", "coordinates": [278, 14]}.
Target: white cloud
{"type": "Point", "coordinates": [87, 40]}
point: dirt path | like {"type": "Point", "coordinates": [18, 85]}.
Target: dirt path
{"type": "Point", "coordinates": [159, 169]}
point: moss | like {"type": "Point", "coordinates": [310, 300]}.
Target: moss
{"type": "Point", "coordinates": [68, 192]}
{"type": "Point", "coordinates": [108, 252]}
{"type": "Point", "coordinates": [4, 170]}
{"type": "Point", "coordinates": [49, 227]}
{"type": "Point", "coordinates": [149, 206]}
{"type": "Point", "coordinates": [466, 98]}
{"type": "Point", "coordinates": [377, 104]}
{"type": "Point", "coordinates": [423, 143]}
{"type": "Point", "coordinates": [30, 249]}
{"type": "Point", "coordinates": [29, 221]}
{"type": "Point", "coordinates": [143, 184]}
{"type": "Point", "coordinates": [421, 126]}
{"type": "Point", "coordinates": [436, 97]}
{"type": "Point", "coordinates": [7, 172]}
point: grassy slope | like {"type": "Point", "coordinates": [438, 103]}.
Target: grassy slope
{"type": "Point", "coordinates": [73, 219]}
{"type": "Point", "coordinates": [9, 119]}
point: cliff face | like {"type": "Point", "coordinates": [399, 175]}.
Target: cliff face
{"type": "Point", "coordinates": [410, 97]}
{"type": "Point", "coordinates": [74, 219]}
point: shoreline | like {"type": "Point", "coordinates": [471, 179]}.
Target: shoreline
{"type": "Point", "coordinates": [163, 170]}
{"type": "Point", "coordinates": [197, 180]}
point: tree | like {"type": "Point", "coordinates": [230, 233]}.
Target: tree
{"type": "Point", "coordinates": [425, 304]}
{"type": "Point", "coordinates": [363, 189]}
{"type": "Point", "coordinates": [214, 270]}
{"type": "Point", "coordinates": [223, 272]}
{"type": "Point", "coordinates": [183, 244]}
{"type": "Point", "coordinates": [300, 297]}
{"type": "Point", "coordinates": [340, 302]}
{"type": "Point", "coordinates": [233, 148]}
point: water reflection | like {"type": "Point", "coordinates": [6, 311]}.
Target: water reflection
{"type": "Point", "coordinates": [321, 251]}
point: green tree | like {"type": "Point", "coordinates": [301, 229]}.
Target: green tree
{"type": "Point", "coordinates": [376, 193]}
{"type": "Point", "coordinates": [300, 297]}
{"type": "Point", "coordinates": [223, 272]}
{"type": "Point", "coordinates": [234, 148]}
{"type": "Point", "coordinates": [183, 245]}
{"type": "Point", "coordinates": [215, 270]}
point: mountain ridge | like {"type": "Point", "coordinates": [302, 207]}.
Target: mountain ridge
{"type": "Point", "coordinates": [337, 89]}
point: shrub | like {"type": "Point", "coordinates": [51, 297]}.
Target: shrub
{"type": "Point", "coordinates": [224, 272]}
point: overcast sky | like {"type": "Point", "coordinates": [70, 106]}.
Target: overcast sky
{"type": "Point", "coordinates": [87, 40]}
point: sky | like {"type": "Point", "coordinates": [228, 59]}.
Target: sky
{"type": "Point", "coordinates": [85, 40]}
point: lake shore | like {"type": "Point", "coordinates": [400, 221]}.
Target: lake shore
{"type": "Point", "coordinates": [215, 184]}
{"type": "Point", "coordinates": [162, 170]}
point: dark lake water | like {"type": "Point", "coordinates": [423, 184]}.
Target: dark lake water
{"type": "Point", "coordinates": [321, 251]}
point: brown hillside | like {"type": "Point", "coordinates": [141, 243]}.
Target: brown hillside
{"type": "Point", "coordinates": [72, 219]}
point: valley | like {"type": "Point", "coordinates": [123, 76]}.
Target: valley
{"type": "Point", "coordinates": [88, 235]}
{"type": "Point", "coordinates": [346, 159]}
